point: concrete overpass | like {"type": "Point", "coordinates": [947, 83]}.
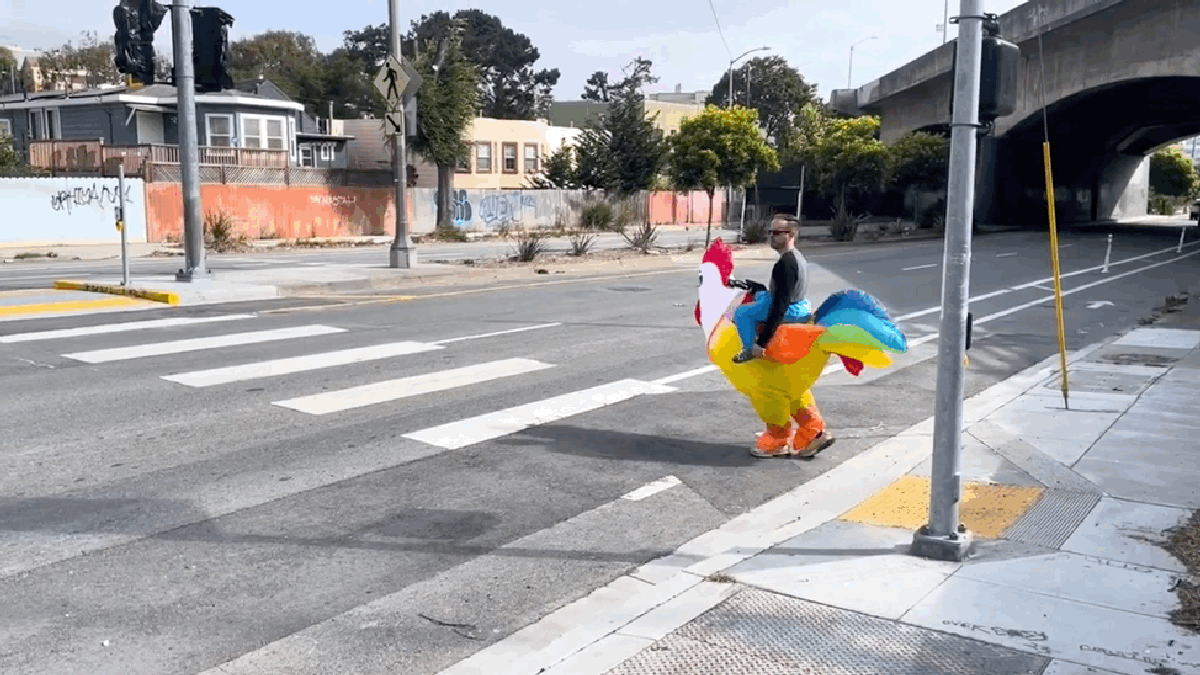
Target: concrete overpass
{"type": "Point", "coordinates": [1122, 78]}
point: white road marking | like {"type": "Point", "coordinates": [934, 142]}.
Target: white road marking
{"type": "Point", "coordinates": [500, 332]}
{"type": "Point", "coordinates": [650, 489]}
{"type": "Point", "coordinates": [1005, 255]}
{"type": "Point", "coordinates": [920, 267]}
{"type": "Point", "coordinates": [494, 425]}
{"type": "Point", "coordinates": [197, 344]}
{"type": "Point", "coordinates": [391, 390]}
{"type": "Point", "coordinates": [118, 328]}
{"type": "Point", "coordinates": [1098, 304]}
{"type": "Point", "coordinates": [297, 364]}
{"type": "Point", "coordinates": [684, 375]}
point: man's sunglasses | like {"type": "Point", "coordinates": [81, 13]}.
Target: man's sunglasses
{"type": "Point", "coordinates": [780, 232]}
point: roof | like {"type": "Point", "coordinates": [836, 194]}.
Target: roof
{"type": "Point", "coordinates": [159, 94]}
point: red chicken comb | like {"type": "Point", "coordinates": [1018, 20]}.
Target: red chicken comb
{"type": "Point", "coordinates": [720, 255]}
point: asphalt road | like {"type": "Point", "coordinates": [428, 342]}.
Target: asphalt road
{"type": "Point", "coordinates": [41, 273]}
{"type": "Point", "coordinates": [169, 526]}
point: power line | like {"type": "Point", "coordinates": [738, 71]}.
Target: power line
{"type": "Point", "coordinates": [714, 11]}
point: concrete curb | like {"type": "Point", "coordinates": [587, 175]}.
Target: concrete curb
{"type": "Point", "coordinates": [156, 296]}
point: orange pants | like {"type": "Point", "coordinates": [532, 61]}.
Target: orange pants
{"type": "Point", "coordinates": [811, 425]}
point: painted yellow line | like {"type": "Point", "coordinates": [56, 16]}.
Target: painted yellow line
{"type": "Point", "coordinates": [986, 510]}
{"type": "Point", "coordinates": [156, 296]}
{"type": "Point", "coordinates": [68, 306]}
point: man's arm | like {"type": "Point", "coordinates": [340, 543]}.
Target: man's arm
{"type": "Point", "coordinates": [785, 275]}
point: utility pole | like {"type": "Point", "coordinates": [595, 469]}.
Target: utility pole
{"type": "Point", "coordinates": [943, 538]}
{"type": "Point", "coordinates": [189, 150]}
{"type": "Point", "coordinates": [402, 255]}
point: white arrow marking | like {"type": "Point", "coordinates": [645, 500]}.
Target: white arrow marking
{"type": "Point", "coordinates": [1098, 304]}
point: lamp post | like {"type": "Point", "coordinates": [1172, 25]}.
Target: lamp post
{"type": "Point", "coordinates": [734, 61]}
{"type": "Point", "coordinates": [850, 75]}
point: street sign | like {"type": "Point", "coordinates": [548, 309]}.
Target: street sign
{"type": "Point", "coordinates": [391, 122]}
{"type": "Point", "coordinates": [397, 81]}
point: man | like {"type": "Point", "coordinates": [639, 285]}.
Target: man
{"type": "Point", "coordinates": [783, 302]}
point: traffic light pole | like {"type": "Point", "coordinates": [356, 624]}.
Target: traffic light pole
{"type": "Point", "coordinates": [189, 150]}
{"type": "Point", "coordinates": [943, 538]}
{"type": "Point", "coordinates": [402, 255]}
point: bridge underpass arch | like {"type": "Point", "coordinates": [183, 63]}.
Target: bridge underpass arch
{"type": "Point", "coordinates": [1099, 142]}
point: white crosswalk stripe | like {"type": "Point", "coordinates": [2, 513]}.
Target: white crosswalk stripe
{"type": "Point", "coordinates": [107, 328]}
{"type": "Point", "coordinates": [391, 390]}
{"type": "Point", "coordinates": [297, 364]}
{"type": "Point", "coordinates": [197, 344]}
{"type": "Point", "coordinates": [494, 425]}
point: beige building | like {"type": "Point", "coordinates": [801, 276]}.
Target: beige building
{"type": "Point", "coordinates": [504, 153]}
{"type": "Point", "coordinates": [670, 114]}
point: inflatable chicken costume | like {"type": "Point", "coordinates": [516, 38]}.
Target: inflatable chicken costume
{"type": "Point", "coordinates": [849, 324]}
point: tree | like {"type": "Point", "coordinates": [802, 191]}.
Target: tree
{"type": "Point", "coordinates": [844, 158]}
{"type": "Point", "coordinates": [1172, 174]}
{"type": "Point", "coordinates": [720, 146]}
{"type": "Point", "coordinates": [9, 157]}
{"type": "Point", "coordinates": [558, 172]}
{"type": "Point", "coordinates": [920, 160]}
{"type": "Point", "coordinates": [449, 99]}
{"type": "Point", "coordinates": [623, 151]}
{"type": "Point", "coordinates": [773, 88]}
{"type": "Point", "coordinates": [596, 88]}
{"type": "Point", "coordinates": [509, 86]}
{"type": "Point", "coordinates": [8, 71]}
{"type": "Point", "coordinates": [290, 60]}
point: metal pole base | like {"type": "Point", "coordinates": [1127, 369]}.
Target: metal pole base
{"type": "Point", "coordinates": [402, 258]}
{"type": "Point", "coordinates": [954, 548]}
{"type": "Point", "coordinates": [194, 275]}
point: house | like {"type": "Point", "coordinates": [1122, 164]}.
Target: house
{"type": "Point", "coordinates": [670, 114]}
{"type": "Point", "coordinates": [148, 116]}
{"type": "Point", "coordinates": [504, 153]}
{"type": "Point", "coordinates": [320, 143]}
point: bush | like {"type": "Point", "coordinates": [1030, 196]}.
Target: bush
{"type": "Point", "coordinates": [530, 244]}
{"type": "Point", "coordinates": [755, 230]}
{"type": "Point", "coordinates": [596, 217]}
{"type": "Point", "coordinates": [642, 238]}
{"type": "Point", "coordinates": [581, 242]}
{"type": "Point", "coordinates": [845, 223]}
{"type": "Point", "coordinates": [448, 233]}
{"type": "Point", "coordinates": [220, 233]}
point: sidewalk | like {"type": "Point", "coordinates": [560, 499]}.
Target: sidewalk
{"type": "Point", "coordinates": [1068, 576]}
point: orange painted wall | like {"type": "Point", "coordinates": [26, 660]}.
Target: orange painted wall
{"type": "Point", "coordinates": [284, 212]}
{"type": "Point", "coordinates": [686, 208]}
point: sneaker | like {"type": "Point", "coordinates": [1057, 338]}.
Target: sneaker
{"type": "Point", "coordinates": [744, 356]}
{"type": "Point", "coordinates": [817, 445]}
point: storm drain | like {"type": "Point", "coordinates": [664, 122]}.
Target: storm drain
{"type": "Point", "coordinates": [760, 633]}
{"type": "Point", "coordinates": [1053, 518]}
{"type": "Point", "coordinates": [1103, 382]}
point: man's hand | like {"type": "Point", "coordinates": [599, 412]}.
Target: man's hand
{"type": "Point", "coordinates": [758, 352]}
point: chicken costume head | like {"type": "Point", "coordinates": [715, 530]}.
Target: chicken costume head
{"type": "Point", "coordinates": [849, 324]}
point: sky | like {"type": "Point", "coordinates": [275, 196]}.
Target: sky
{"type": "Point", "coordinates": [680, 37]}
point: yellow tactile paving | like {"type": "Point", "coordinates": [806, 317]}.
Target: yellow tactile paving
{"type": "Point", "coordinates": [69, 306]}
{"type": "Point", "coordinates": [986, 510]}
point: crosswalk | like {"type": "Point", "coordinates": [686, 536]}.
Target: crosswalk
{"type": "Point", "coordinates": [145, 340]}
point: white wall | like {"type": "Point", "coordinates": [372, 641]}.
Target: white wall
{"type": "Point", "coordinates": [47, 211]}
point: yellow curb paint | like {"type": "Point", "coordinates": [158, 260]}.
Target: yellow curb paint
{"type": "Point", "coordinates": [68, 306]}
{"type": "Point", "coordinates": [986, 510]}
{"type": "Point", "coordinates": [156, 296]}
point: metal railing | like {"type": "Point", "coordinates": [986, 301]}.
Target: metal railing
{"type": "Point", "coordinates": [92, 156]}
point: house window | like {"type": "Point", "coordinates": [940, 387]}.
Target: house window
{"type": "Point", "coordinates": [326, 151]}
{"type": "Point", "coordinates": [510, 157]}
{"type": "Point", "coordinates": [53, 126]}
{"type": "Point", "coordinates": [5, 128]}
{"type": "Point", "coordinates": [36, 125]}
{"type": "Point", "coordinates": [306, 155]}
{"type": "Point", "coordinates": [44, 124]}
{"type": "Point", "coordinates": [464, 165]}
{"type": "Point", "coordinates": [483, 157]}
{"type": "Point", "coordinates": [261, 131]}
{"type": "Point", "coordinates": [531, 158]}
{"type": "Point", "coordinates": [220, 130]}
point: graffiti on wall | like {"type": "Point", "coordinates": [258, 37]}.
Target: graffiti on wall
{"type": "Point", "coordinates": [460, 210]}
{"type": "Point", "coordinates": [333, 200]}
{"type": "Point", "coordinates": [491, 208]}
{"type": "Point", "coordinates": [102, 195]}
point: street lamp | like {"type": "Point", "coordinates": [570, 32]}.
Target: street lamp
{"type": "Point", "coordinates": [734, 61]}
{"type": "Point", "coordinates": [850, 75]}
